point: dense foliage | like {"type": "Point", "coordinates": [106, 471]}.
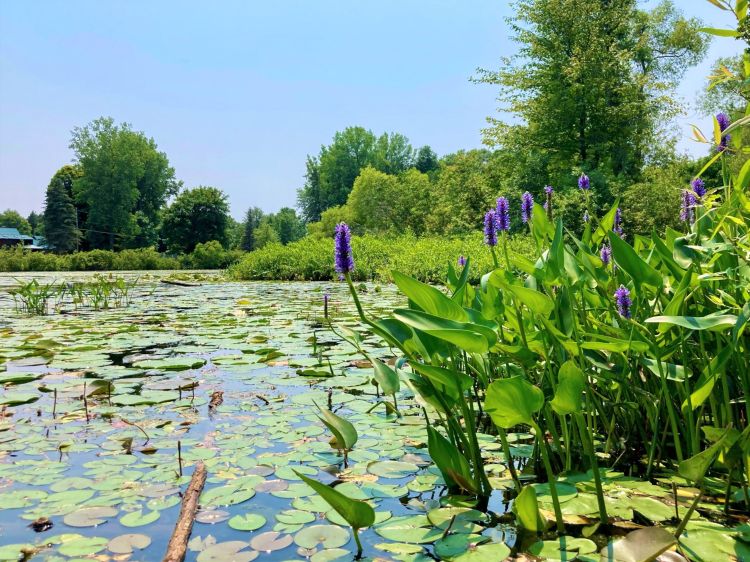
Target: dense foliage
{"type": "Point", "coordinates": [310, 258]}
{"type": "Point", "coordinates": [210, 255]}
{"type": "Point", "coordinates": [195, 216]}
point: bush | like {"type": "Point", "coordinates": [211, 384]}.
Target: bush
{"type": "Point", "coordinates": [18, 259]}
{"type": "Point", "coordinates": [211, 255]}
{"type": "Point", "coordinates": [311, 258]}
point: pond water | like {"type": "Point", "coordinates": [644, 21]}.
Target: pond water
{"type": "Point", "coordinates": [107, 468]}
{"type": "Point", "coordinates": [232, 373]}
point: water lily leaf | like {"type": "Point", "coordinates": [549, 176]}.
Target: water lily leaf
{"type": "Point", "coordinates": [138, 518]}
{"type": "Point", "coordinates": [357, 513]}
{"type": "Point", "coordinates": [484, 552]}
{"type": "Point", "coordinates": [229, 551]}
{"type": "Point", "coordinates": [642, 545]}
{"type": "Point", "coordinates": [513, 401]}
{"type": "Point", "coordinates": [17, 398]}
{"type": "Point", "coordinates": [326, 536]}
{"type": "Point", "coordinates": [89, 516]}
{"type": "Point", "coordinates": [452, 545]}
{"type": "Point", "coordinates": [569, 393]}
{"type": "Point", "coordinates": [247, 522]}
{"type": "Point", "coordinates": [270, 541]}
{"type": "Point", "coordinates": [83, 546]}
{"type": "Point", "coordinates": [127, 544]}
{"type": "Point", "coordinates": [651, 509]}
{"type": "Point", "coordinates": [392, 469]}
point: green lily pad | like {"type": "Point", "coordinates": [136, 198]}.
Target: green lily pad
{"type": "Point", "coordinates": [326, 536]}
{"type": "Point", "coordinates": [247, 522]}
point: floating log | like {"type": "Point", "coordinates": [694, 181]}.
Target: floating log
{"type": "Point", "coordinates": [179, 542]}
{"type": "Point", "coordinates": [180, 283]}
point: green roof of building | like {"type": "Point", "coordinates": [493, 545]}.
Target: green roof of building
{"type": "Point", "coordinates": [13, 234]}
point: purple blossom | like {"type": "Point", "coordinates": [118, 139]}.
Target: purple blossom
{"type": "Point", "coordinates": [584, 183]}
{"type": "Point", "coordinates": [586, 216]}
{"type": "Point", "coordinates": [461, 261]}
{"type": "Point", "coordinates": [502, 214]}
{"type": "Point", "coordinates": [687, 209]}
{"type": "Point", "coordinates": [326, 297]}
{"type": "Point", "coordinates": [548, 191]}
{"type": "Point", "coordinates": [617, 226]}
{"type": "Point", "coordinates": [490, 228]}
{"type": "Point", "coordinates": [527, 206]}
{"type": "Point", "coordinates": [623, 302]}
{"type": "Point", "coordinates": [343, 249]}
{"type": "Point", "coordinates": [606, 254]}
{"type": "Point", "coordinates": [723, 120]}
{"type": "Point", "coordinates": [699, 187]}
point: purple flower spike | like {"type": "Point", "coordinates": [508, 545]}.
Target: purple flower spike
{"type": "Point", "coordinates": [343, 249]}
{"type": "Point", "coordinates": [490, 228]}
{"type": "Point", "coordinates": [502, 214]}
{"type": "Point", "coordinates": [584, 183]}
{"type": "Point", "coordinates": [623, 302]}
{"type": "Point", "coordinates": [723, 120]}
{"type": "Point", "coordinates": [527, 206]}
{"type": "Point", "coordinates": [586, 216]}
{"type": "Point", "coordinates": [548, 191]}
{"type": "Point", "coordinates": [461, 261]}
{"type": "Point", "coordinates": [606, 254]}
{"type": "Point", "coordinates": [687, 209]}
{"type": "Point", "coordinates": [617, 226]}
{"type": "Point", "coordinates": [699, 187]}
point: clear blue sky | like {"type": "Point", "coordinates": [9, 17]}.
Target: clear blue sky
{"type": "Point", "coordinates": [238, 92]}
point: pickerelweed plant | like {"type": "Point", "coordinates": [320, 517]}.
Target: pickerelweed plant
{"type": "Point", "coordinates": [634, 355]}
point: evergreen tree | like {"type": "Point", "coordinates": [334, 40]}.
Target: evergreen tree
{"type": "Point", "coordinates": [60, 227]}
{"type": "Point", "coordinates": [252, 220]}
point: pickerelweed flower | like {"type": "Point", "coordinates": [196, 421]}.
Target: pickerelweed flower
{"type": "Point", "coordinates": [723, 120]}
{"type": "Point", "coordinates": [502, 214]}
{"type": "Point", "coordinates": [586, 216]}
{"type": "Point", "coordinates": [461, 261]}
{"type": "Point", "coordinates": [617, 226]}
{"type": "Point", "coordinates": [687, 209]}
{"type": "Point", "coordinates": [527, 206]}
{"type": "Point", "coordinates": [548, 191]}
{"type": "Point", "coordinates": [606, 254]}
{"type": "Point", "coordinates": [623, 302]}
{"type": "Point", "coordinates": [326, 298]}
{"type": "Point", "coordinates": [490, 228]}
{"type": "Point", "coordinates": [699, 187]}
{"type": "Point", "coordinates": [343, 249]}
{"type": "Point", "coordinates": [584, 182]}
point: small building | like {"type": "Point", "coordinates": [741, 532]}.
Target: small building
{"type": "Point", "coordinates": [11, 237]}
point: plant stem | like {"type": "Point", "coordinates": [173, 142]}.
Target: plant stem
{"type": "Point", "coordinates": [550, 477]}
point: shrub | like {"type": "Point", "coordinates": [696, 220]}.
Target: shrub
{"type": "Point", "coordinates": [211, 255]}
{"type": "Point", "coordinates": [424, 258]}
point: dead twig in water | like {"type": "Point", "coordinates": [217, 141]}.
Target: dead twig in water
{"type": "Point", "coordinates": [178, 543]}
{"type": "Point", "coordinates": [138, 427]}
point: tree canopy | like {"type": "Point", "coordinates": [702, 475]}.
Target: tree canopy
{"type": "Point", "coordinates": [197, 215]}
{"type": "Point", "coordinates": [125, 182]}
{"type": "Point", "coordinates": [13, 219]}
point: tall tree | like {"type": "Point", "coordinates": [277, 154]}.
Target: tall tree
{"type": "Point", "coordinates": [13, 219]}
{"type": "Point", "coordinates": [590, 80]}
{"type": "Point", "coordinates": [60, 221]}
{"type": "Point", "coordinates": [330, 176]}
{"type": "Point", "coordinates": [252, 221]}
{"type": "Point", "coordinates": [287, 225]}
{"type": "Point", "coordinates": [426, 160]}
{"type": "Point", "coordinates": [197, 215]}
{"type": "Point", "coordinates": [36, 222]}
{"type": "Point", "coordinates": [125, 183]}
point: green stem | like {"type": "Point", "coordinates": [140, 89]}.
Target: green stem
{"type": "Point", "coordinates": [550, 477]}
{"type": "Point", "coordinates": [588, 444]}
